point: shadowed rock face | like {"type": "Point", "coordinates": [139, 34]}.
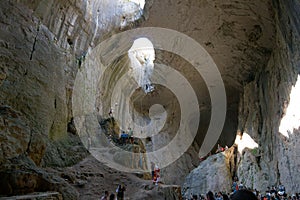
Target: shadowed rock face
{"type": "Point", "coordinates": [275, 161]}
{"type": "Point", "coordinates": [262, 106]}
{"type": "Point", "coordinates": [44, 43]}
{"type": "Point", "coordinates": [238, 35]}
{"type": "Point", "coordinates": [240, 38]}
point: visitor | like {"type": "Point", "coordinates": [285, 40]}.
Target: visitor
{"type": "Point", "coordinates": [210, 196]}
{"type": "Point", "coordinates": [112, 196]}
{"type": "Point", "coordinates": [218, 149]}
{"type": "Point", "coordinates": [243, 195]}
{"type": "Point", "coordinates": [120, 192]}
{"type": "Point", "coordinates": [273, 190]}
{"type": "Point", "coordinates": [241, 186]}
{"type": "Point", "coordinates": [219, 196]}
{"type": "Point", "coordinates": [110, 113]}
{"type": "Point", "coordinates": [124, 137]}
{"type": "Point", "coordinates": [152, 170]}
{"type": "Point", "coordinates": [118, 188]}
{"type": "Point", "coordinates": [191, 196]}
{"type": "Point", "coordinates": [194, 197]}
{"type": "Point", "coordinates": [130, 135]}
{"type": "Point", "coordinates": [268, 194]}
{"type": "Point", "coordinates": [89, 143]}
{"type": "Point", "coordinates": [156, 176]}
{"type": "Point", "coordinates": [235, 187]}
{"type": "Point", "coordinates": [225, 197]}
{"type": "Point", "coordinates": [105, 196]}
{"type": "Point", "coordinates": [281, 190]}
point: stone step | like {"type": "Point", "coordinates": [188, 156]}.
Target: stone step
{"type": "Point", "coordinates": [36, 196]}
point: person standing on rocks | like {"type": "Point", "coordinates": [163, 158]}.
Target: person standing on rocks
{"type": "Point", "coordinates": [120, 192]}
{"type": "Point", "coordinates": [152, 170]}
{"type": "Point", "coordinates": [241, 186]}
{"type": "Point", "coordinates": [130, 135]}
{"type": "Point", "coordinates": [105, 196]}
{"type": "Point", "coordinates": [112, 196]}
{"type": "Point", "coordinates": [110, 113]}
{"type": "Point", "coordinates": [156, 175]}
{"type": "Point", "coordinates": [89, 143]}
{"type": "Point", "coordinates": [210, 196]}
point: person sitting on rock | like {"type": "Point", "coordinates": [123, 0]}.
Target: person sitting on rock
{"type": "Point", "coordinates": [124, 137]}
{"type": "Point", "coordinates": [219, 149]}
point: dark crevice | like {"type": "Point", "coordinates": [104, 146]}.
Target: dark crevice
{"type": "Point", "coordinates": [34, 42]}
{"type": "Point", "coordinates": [71, 127]}
{"type": "Point", "coordinates": [60, 153]}
{"type": "Point", "coordinates": [258, 158]}
{"type": "Point", "coordinates": [278, 173]}
{"type": "Point", "coordinates": [235, 164]}
{"type": "Point", "coordinates": [70, 42]}
{"type": "Point", "coordinates": [51, 134]}
{"type": "Point", "coordinates": [29, 143]}
{"type": "Point", "coordinates": [55, 104]}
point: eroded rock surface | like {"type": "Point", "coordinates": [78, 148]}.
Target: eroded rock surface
{"type": "Point", "coordinates": [262, 106]}
{"type": "Point", "coordinates": [43, 44]}
{"type": "Point", "coordinates": [213, 174]}
{"type": "Point", "coordinates": [41, 47]}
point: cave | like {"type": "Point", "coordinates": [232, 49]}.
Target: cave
{"type": "Point", "coordinates": [96, 93]}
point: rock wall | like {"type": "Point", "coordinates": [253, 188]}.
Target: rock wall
{"type": "Point", "coordinates": [263, 105]}
{"type": "Point", "coordinates": [238, 35]}
{"type": "Point", "coordinates": [213, 174]}
{"type": "Point", "coordinates": [35, 82]}
{"type": "Point", "coordinates": [42, 44]}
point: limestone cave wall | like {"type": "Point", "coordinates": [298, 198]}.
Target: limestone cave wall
{"type": "Point", "coordinates": [263, 105]}
{"type": "Point", "coordinates": [42, 45]}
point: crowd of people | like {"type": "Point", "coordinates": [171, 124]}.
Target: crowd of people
{"type": "Point", "coordinates": [240, 192]}
{"type": "Point", "coordinates": [111, 196]}
{"type": "Point", "coordinates": [126, 137]}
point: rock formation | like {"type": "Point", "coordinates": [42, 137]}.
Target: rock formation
{"type": "Point", "coordinates": [42, 46]}
{"type": "Point", "coordinates": [46, 47]}
{"type": "Point", "coordinates": [260, 116]}
{"type": "Point", "coordinates": [263, 104]}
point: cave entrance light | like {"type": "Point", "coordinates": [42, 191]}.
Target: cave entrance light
{"type": "Point", "coordinates": [141, 56]}
{"type": "Point", "coordinates": [245, 141]}
{"type": "Point", "coordinates": [291, 120]}
{"type": "Point", "coordinates": [141, 3]}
